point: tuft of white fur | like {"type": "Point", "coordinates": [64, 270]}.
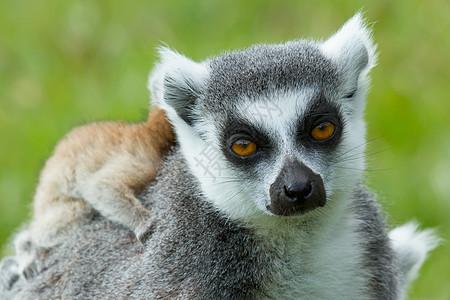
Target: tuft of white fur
{"type": "Point", "coordinates": [412, 247]}
{"type": "Point", "coordinates": [155, 85]}
{"type": "Point", "coordinates": [353, 50]}
{"type": "Point", "coordinates": [179, 67]}
{"type": "Point", "coordinates": [354, 33]}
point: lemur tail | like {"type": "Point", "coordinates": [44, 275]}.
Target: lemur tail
{"type": "Point", "coordinates": [412, 247]}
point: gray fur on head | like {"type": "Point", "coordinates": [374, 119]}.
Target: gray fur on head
{"type": "Point", "coordinates": [291, 221]}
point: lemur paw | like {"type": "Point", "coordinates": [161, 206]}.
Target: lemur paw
{"type": "Point", "coordinates": [26, 253]}
{"type": "Point", "coordinates": [30, 270]}
{"type": "Point", "coordinates": [145, 232]}
{"type": "Point", "coordinates": [9, 272]}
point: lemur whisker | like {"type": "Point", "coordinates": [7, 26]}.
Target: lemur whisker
{"type": "Point", "coordinates": [233, 196]}
{"type": "Point", "coordinates": [356, 147]}
{"type": "Point", "coordinates": [361, 156]}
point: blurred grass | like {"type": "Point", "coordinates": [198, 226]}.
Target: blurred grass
{"type": "Point", "coordinates": [65, 63]}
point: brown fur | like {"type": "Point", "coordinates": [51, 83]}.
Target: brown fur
{"type": "Point", "coordinates": [101, 167]}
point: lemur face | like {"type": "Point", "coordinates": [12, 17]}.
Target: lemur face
{"type": "Point", "coordinates": [284, 147]}
{"type": "Point", "coordinates": [273, 129]}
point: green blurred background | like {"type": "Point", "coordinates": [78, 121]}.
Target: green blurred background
{"type": "Point", "coordinates": [65, 63]}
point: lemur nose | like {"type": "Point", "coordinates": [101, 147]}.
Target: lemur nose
{"type": "Point", "coordinates": [296, 190]}
{"type": "Point", "coordinates": [299, 191]}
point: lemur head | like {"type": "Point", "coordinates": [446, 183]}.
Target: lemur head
{"type": "Point", "coordinates": [273, 129]}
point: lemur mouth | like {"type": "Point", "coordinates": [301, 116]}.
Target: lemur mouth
{"type": "Point", "coordinates": [297, 190]}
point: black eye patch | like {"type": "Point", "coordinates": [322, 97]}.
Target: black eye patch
{"type": "Point", "coordinates": [350, 95]}
{"type": "Point", "coordinates": [319, 113]}
{"type": "Point", "coordinates": [238, 130]}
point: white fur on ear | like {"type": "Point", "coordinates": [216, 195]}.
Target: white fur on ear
{"type": "Point", "coordinates": [156, 85]}
{"type": "Point", "coordinates": [181, 81]}
{"type": "Point", "coordinates": [352, 48]}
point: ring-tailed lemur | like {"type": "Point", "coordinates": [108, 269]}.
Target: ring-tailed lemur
{"type": "Point", "coordinates": [262, 197]}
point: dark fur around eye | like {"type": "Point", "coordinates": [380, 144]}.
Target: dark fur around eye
{"type": "Point", "coordinates": [320, 112]}
{"type": "Point", "coordinates": [237, 130]}
{"type": "Point", "coordinates": [350, 95]}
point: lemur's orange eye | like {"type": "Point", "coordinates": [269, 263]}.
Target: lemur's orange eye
{"type": "Point", "coordinates": [323, 131]}
{"type": "Point", "coordinates": [243, 148]}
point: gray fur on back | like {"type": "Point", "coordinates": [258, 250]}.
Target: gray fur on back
{"type": "Point", "coordinates": [183, 259]}
{"type": "Point", "coordinates": [195, 253]}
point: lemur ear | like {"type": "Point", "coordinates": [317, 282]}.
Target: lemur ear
{"type": "Point", "coordinates": [352, 49]}
{"type": "Point", "coordinates": [181, 80]}
{"type": "Point", "coordinates": [156, 85]}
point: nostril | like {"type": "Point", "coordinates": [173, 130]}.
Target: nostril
{"type": "Point", "coordinates": [308, 190]}
{"type": "Point", "coordinates": [288, 191]}
{"type": "Point", "coordinates": [299, 191]}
